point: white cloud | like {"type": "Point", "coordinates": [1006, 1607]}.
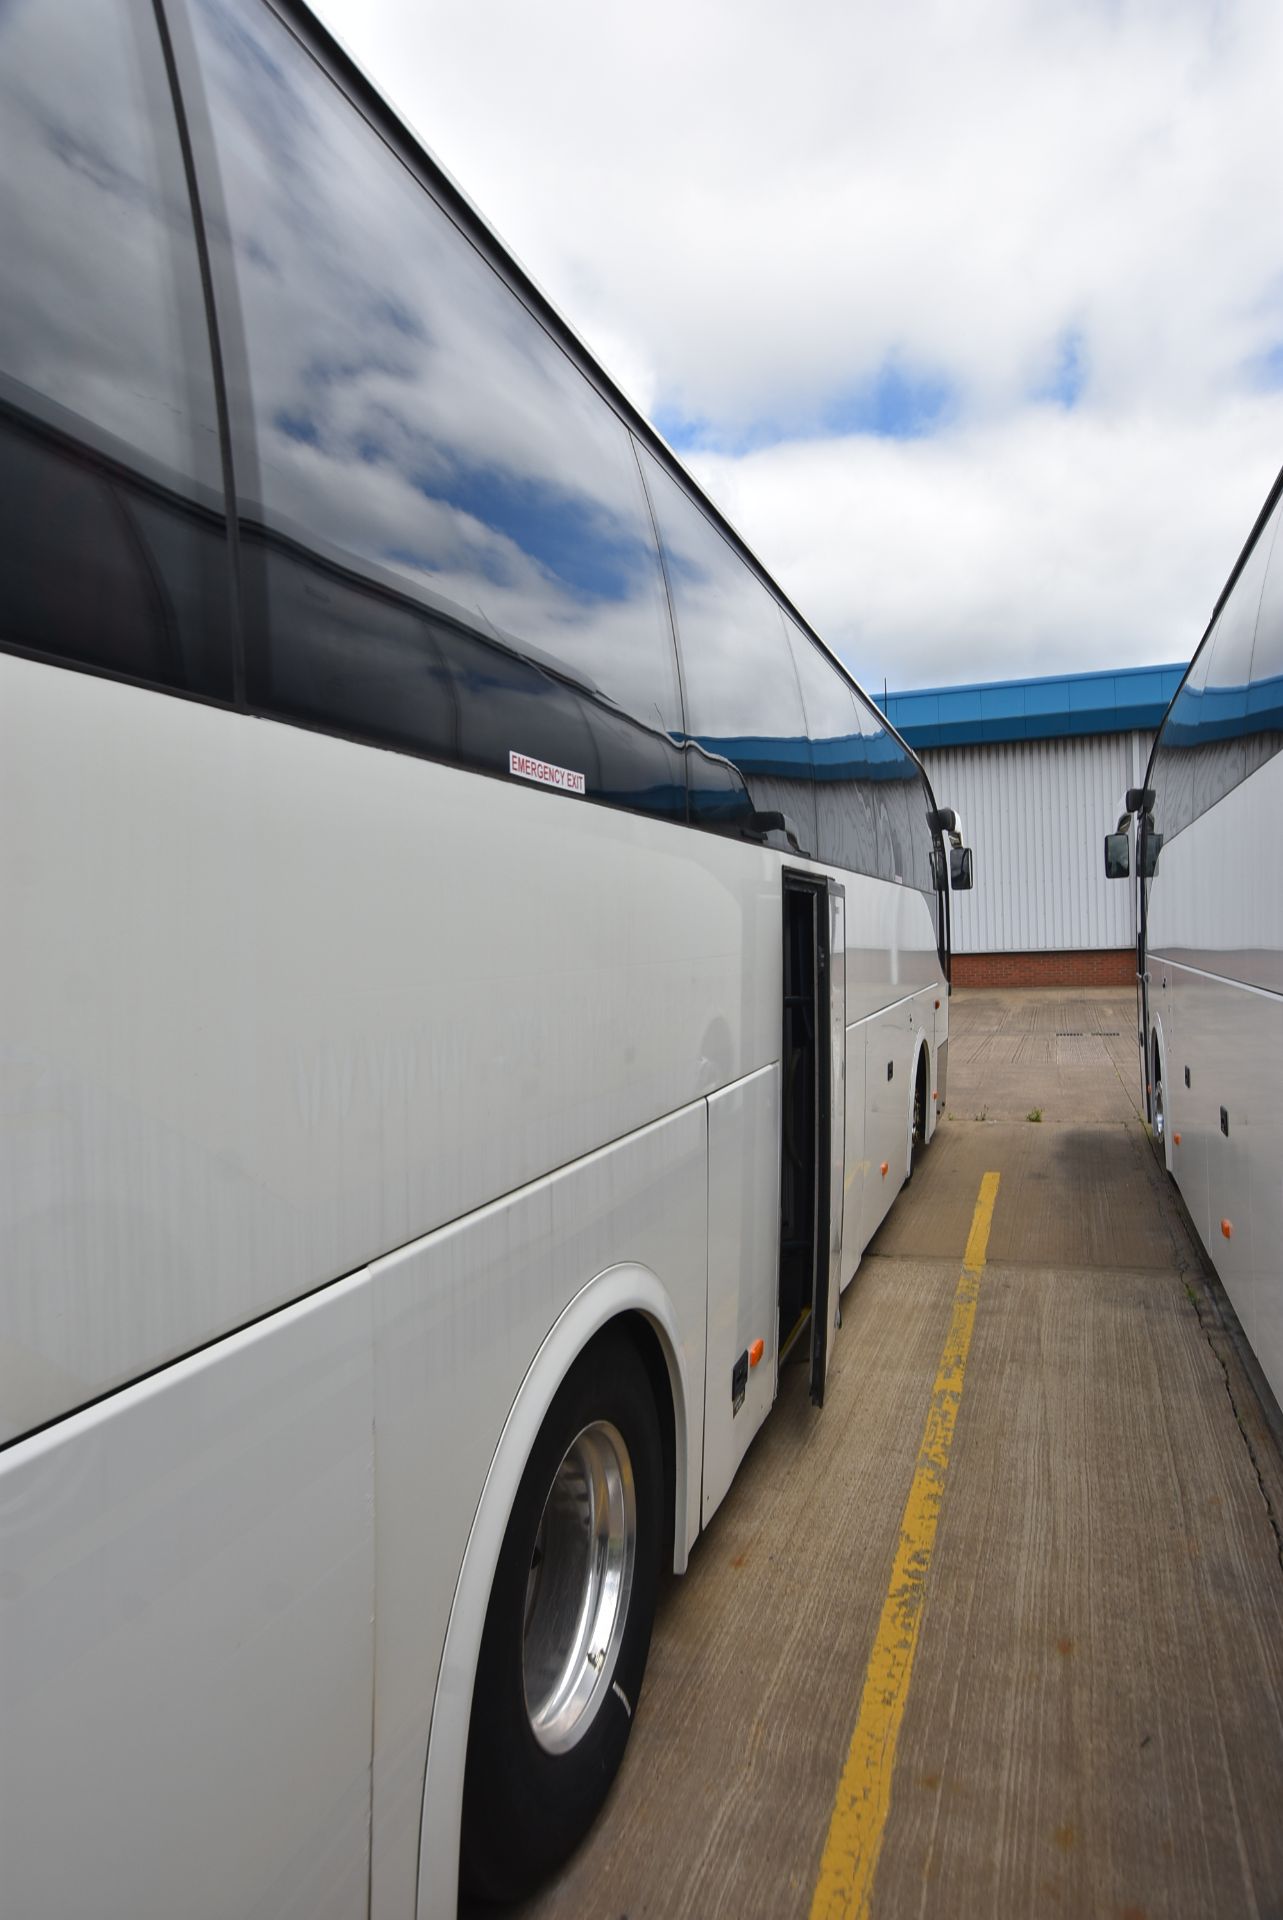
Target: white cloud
{"type": "Point", "coordinates": [1045, 543]}
{"type": "Point", "coordinates": [750, 211]}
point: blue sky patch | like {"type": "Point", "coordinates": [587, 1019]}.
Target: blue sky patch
{"type": "Point", "coordinates": [896, 403]}
{"type": "Point", "coordinates": [1069, 375]}
{"type": "Point", "coordinates": [1270, 368]}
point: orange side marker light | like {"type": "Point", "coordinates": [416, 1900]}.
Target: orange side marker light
{"type": "Point", "coordinates": [885, 1169]}
{"type": "Point", "coordinates": [1176, 1139]}
{"type": "Point", "coordinates": [937, 1006]}
{"type": "Point", "coordinates": [1227, 1228]}
{"type": "Point", "coordinates": [755, 1352]}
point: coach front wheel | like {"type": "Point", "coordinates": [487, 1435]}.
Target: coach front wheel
{"type": "Point", "coordinates": [568, 1626]}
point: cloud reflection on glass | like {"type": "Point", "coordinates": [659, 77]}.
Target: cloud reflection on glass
{"type": "Point", "coordinates": [423, 431]}
{"type": "Point", "coordinates": [110, 471]}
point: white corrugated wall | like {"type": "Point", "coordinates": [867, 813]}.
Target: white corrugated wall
{"type": "Point", "coordinates": [1036, 813]}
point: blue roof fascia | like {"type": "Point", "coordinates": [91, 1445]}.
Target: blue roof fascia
{"type": "Point", "coordinates": [1053, 707]}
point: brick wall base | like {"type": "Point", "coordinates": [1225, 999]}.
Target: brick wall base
{"type": "Point", "coordinates": [1092, 967]}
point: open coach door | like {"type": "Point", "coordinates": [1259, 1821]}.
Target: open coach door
{"type": "Point", "coordinates": [813, 1117]}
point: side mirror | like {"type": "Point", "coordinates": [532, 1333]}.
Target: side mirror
{"type": "Point", "coordinates": [1153, 845]}
{"type": "Point", "coordinates": [937, 870]}
{"type": "Point", "coordinates": [1118, 858]}
{"type": "Point", "coordinates": [960, 875]}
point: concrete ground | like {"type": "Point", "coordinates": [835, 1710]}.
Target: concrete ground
{"type": "Point", "coordinates": [1094, 1721]}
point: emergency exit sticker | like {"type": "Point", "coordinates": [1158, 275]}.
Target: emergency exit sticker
{"type": "Point", "coordinates": [547, 775]}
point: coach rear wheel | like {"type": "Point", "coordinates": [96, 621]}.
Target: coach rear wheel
{"type": "Point", "coordinates": [918, 1123]}
{"type": "Point", "coordinates": [568, 1626]}
{"type": "Point", "coordinates": [1158, 1107]}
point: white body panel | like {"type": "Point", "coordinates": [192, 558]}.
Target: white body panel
{"type": "Point", "coordinates": [360, 1073]}
{"type": "Point", "coordinates": [743, 1270]}
{"type": "Point", "coordinates": [1215, 963]}
{"type": "Point", "coordinates": [279, 1008]}
{"type": "Point", "coordinates": [187, 1596]}
{"type": "Point", "coordinates": [855, 1178]}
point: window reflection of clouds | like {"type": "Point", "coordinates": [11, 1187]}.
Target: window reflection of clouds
{"type": "Point", "coordinates": [1267, 654]}
{"type": "Point", "coordinates": [1265, 696]}
{"type": "Point", "coordinates": [742, 701]}
{"type": "Point", "coordinates": [409, 409]}
{"type": "Point", "coordinates": [99, 297]}
{"type": "Point", "coordinates": [843, 803]}
{"type": "Point", "coordinates": [110, 465]}
{"type": "Point", "coordinates": [739, 678]}
{"type": "Point", "coordinates": [1207, 747]}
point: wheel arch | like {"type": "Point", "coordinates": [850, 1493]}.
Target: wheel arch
{"type": "Point", "coordinates": [626, 1295]}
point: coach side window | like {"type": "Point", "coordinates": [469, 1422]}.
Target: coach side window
{"type": "Point", "coordinates": [1177, 749]}
{"type": "Point", "coordinates": [845, 823]}
{"type": "Point", "coordinates": [451, 550]}
{"type": "Point", "coordinates": [903, 844]}
{"type": "Point", "coordinates": [110, 470]}
{"type": "Point", "coordinates": [1265, 693]}
{"type": "Point", "coordinates": [1220, 757]}
{"type": "Point", "coordinates": [749, 761]}
{"type": "Point", "coordinates": [1203, 750]}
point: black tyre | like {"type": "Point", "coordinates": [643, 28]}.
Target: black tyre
{"type": "Point", "coordinates": [918, 1123]}
{"type": "Point", "coordinates": [1158, 1108]}
{"type": "Point", "coordinates": [568, 1626]}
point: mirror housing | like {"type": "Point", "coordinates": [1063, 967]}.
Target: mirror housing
{"type": "Point", "coordinates": [1118, 857]}
{"type": "Point", "coordinates": [961, 877]}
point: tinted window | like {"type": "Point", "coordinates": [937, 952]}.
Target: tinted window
{"type": "Point", "coordinates": [1202, 750]}
{"type": "Point", "coordinates": [110, 472]}
{"type": "Point", "coordinates": [1220, 761]}
{"type": "Point", "coordinates": [744, 712]}
{"type": "Point", "coordinates": [1177, 746]}
{"type": "Point", "coordinates": [845, 823]}
{"type": "Point", "coordinates": [1265, 694]}
{"type": "Point", "coordinates": [452, 543]}
{"type": "Point", "coordinates": [900, 806]}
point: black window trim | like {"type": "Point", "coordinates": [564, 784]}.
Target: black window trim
{"type": "Point", "coordinates": [178, 97]}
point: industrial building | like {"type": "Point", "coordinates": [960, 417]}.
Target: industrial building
{"type": "Point", "coordinates": [1036, 769]}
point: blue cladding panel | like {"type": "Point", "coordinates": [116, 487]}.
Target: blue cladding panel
{"type": "Point", "coordinates": [1043, 709]}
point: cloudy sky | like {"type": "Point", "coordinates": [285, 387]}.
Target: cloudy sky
{"type": "Point", "coordinates": [969, 316]}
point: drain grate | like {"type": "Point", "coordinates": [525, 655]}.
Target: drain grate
{"type": "Point", "coordinates": [1091, 1033]}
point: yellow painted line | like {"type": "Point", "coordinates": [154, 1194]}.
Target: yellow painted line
{"type": "Point", "coordinates": [844, 1890]}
